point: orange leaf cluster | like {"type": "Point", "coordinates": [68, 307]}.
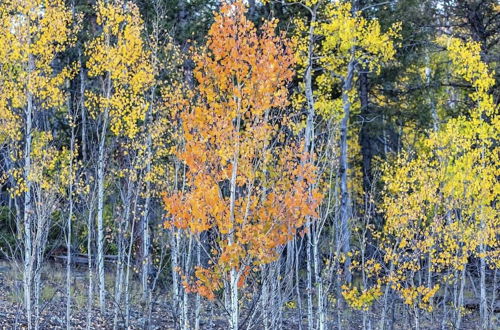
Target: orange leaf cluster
{"type": "Point", "coordinates": [233, 134]}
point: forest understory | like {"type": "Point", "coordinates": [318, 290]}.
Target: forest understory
{"type": "Point", "coordinates": [162, 316]}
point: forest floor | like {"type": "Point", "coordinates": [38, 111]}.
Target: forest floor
{"type": "Point", "coordinates": [53, 307]}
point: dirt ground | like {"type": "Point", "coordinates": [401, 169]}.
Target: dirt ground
{"type": "Point", "coordinates": [53, 307]}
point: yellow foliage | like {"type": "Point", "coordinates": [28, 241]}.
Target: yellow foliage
{"type": "Point", "coordinates": [440, 200]}
{"type": "Point", "coordinates": [32, 33]}
{"type": "Point", "coordinates": [361, 300]}
{"type": "Point", "coordinates": [119, 56]}
{"type": "Point", "coordinates": [346, 37]}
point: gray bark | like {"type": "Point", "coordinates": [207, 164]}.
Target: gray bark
{"type": "Point", "coordinates": [28, 258]}
{"type": "Point", "coordinates": [345, 207]}
{"type": "Point", "coordinates": [100, 209]}
{"type": "Point", "coordinates": [69, 225]}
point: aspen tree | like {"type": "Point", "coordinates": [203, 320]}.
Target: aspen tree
{"type": "Point", "coordinates": [53, 174]}
{"type": "Point", "coordinates": [350, 43]}
{"type": "Point", "coordinates": [484, 130]}
{"type": "Point", "coordinates": [241, 186]}
{"type": "Point", "coordinates": [337, 42]}
{"type": "Point", "coordinates": [32, 34]}
{"type": "Point", "coordinates": [161, 134]}
{"type": "Point", "coordinates": [306, 52]}
{"type": "Point", "coordinates": [439, 200]}
{"type": "Point", "coordinates": [117, 57]}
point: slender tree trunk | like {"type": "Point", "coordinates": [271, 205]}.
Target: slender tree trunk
{"type": "Point", "coordinates": [43, 228]}
{"type": "Point", "coordinates": [146, 258]}
{"type": "Point", "coordinates": [233, 297]}
{"type": "Point", "coordinates": [309, 86]}
{"type": "Point", "coordinates": [417, 317]}
{"type": "Point", "coordinates": [197, 302]}
{"type": "Point", "coordinates": [367, 143]}
{"type": "Point", "coordinates": [37, 277]}
{"type": "Point", "coordinates": [100, 210]}
{"type": "Point", "coordinates": [41, 212]}
{"type": "Point", "coordinates": [364, 279]}
{"type": "Point", "coordinates": [122, 229]}
{"type": "Point", "coordinates": [129, 258]}
{"type": "Point", "coordinates": [69, 225]}
{"type": "Point", "coordinates": [494, 293]}
{"type": "Point", "coordinates": [345, 208]}
{"type": "Point", "coordinates": [277, 312]}
{"type": "Point", "coordinates": [233, 273]}
{"type": "Point", "coordinates": [310, 313]}
{"type": "Point", "coordinates": [185, 296]}
{"type": "Point", "coordinates": [174, 245]}
{"type": "Point", "coordinates": [309, 136]}
{"type": "Point", "coordinates": [445, 308]}
{"type": "Point", "coordinates": [297, 283]}
{"type": "Point", "coordinates": [386, 297]}
{"type": "Point", "coordinates": [82, 108]}
{"type": "Point", "coordinates": [146, 240]}
{"type": "Point", "coordinates": [430, 283]}
{"type": "Point", "coordinates": [119, 273]}
{"type": "Point", "coordinates": [28, 258]}
{"type": "Point", "coordinates": [100, 222]}
{"type": "Point", "coordinates": [461, 298]}
{"type": "Point", "coordinates": [107, 85]}
{"type": "Point", "coordinates": [483, 303]}
{"type": "Point", "coordinates": [318, 278]}
{"type": "Point", "coordinates": [289, 264]}
{"type": "Point", "coordinates": [90, 291]}
{"type": "Point", "coordinates": [264, 298]}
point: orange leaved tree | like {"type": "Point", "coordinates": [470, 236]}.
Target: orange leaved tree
{"type": "Point", "coordinates": [247, 184]}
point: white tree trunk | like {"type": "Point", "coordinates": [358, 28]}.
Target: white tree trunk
{"type": "Point", "coordinates": [101, 165]}
{"type": "Point", "coordinates": [264, 298]}
{"type": "Point", "coordinates": [386, 298]}
{"type": "Point", "coordinates": [461, 298]}
{"type": "Point", "coordinates": [28, 258]}
{"type": "Point", "coordinates": [319, 282]}
{"type": "Point", "coordinates": [90, 294]}
{"type": "Point", "coordinates": [309, 136]}
{"type": "Point", "coordinates": [483, 300]}
{"type": "Point", "coordinates": [233, 289]}
{"type": "Point", "coordinates": [197, 303]}
{"type": "Point", "coordinates": [100, 225]}
{"type": "Point", "coordinates": [185, 295]}
{"type": "Point", "coordinates": [146, 240]}
{"type": "Point", "coordinates": [297, 282]}
{"type": "Point", "coordinates": [309, 290]}
{"type": "Point", "coordinates": [234, 274]}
